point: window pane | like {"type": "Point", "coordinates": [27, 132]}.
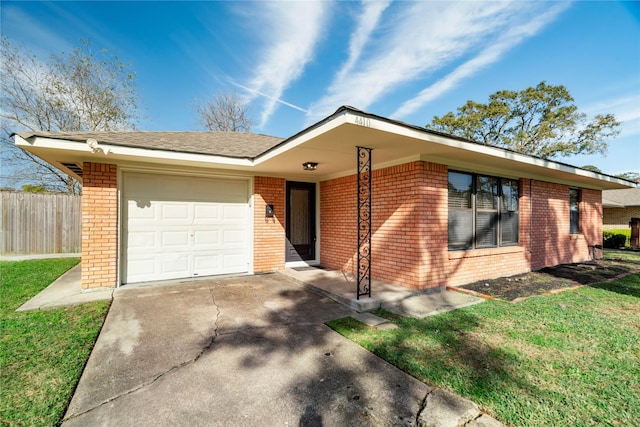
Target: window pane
{"type": "Point", "coordinates": [574, 213]}
{"type": "Point", "coordinates": [509, 226]}
{"type": "Point", "coordinates": [509, 195]}
{"type": "Point", "coordinates": [460, 186]}
{"type": "Point", "coordinates": [487, 190]}
{"type": "Point", "coordinates": [486, 229]}
{"type": "Point", "coordinates": [460, 229]}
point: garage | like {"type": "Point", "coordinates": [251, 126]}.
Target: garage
{"type": "Point", "coordinates": [183, 226]}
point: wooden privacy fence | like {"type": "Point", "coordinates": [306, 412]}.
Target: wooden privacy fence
{"type": "Point", "coordinates": [35, 223]}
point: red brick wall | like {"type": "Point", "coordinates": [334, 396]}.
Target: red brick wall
{"type": "Point", "coordinates": [552, 242]}
{"type": "Point", "coordinates": [268, 233]}
{"type": "Point", "coordinates": [410, 229]}
{"type": "Point", "coordinates": [99, 225]}
{"type": "Point", "coordinates": [409, 211]}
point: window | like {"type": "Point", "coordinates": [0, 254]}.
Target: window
{"type": "Point", "coordinates": [574, 212]}
{"type": "Point", "coordinates": [483, 211]}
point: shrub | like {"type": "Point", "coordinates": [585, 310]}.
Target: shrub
{"type": "Point", "coordinates": [613, 239]}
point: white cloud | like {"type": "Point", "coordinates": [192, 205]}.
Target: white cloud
{"type": "Point", "coordinates": [626, 108]}
{"type": "Point", "coordinates": [418, 39]}
{"type": "Point", "coordinates": [506, 41]}
{"type": "Point", "coordinates": [290, 31]}
{"type": "Point", "coordinates": [257, 92]}
{"type": "Point", "coordinates": [32, 33]}
{"type": "Point", "coordinates": [368, 20]}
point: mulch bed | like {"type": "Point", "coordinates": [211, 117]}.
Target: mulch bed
{"type": "Point", "coordinates": [550, 280]}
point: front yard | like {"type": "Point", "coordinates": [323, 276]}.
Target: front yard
{"type": "Point", "coordinates": [42, 353]}
{"type": "Point", "coordinates": [572, 358]}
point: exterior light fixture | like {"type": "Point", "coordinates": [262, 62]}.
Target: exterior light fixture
{"type": "Point", "coordinates": [310, 166]}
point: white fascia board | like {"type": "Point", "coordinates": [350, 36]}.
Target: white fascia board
{"type": "Point", "coordinates": [127, 152]}
{"type": "Point", "coordinates": [477, 148]}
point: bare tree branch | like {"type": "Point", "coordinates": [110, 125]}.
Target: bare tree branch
{"type": "Point", "coordinates": [76, 91]}
{"type": "Point", "coordinates": [227, 112]}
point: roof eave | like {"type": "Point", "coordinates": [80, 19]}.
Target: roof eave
{"type": "Point", "coordinates": [57, 151]}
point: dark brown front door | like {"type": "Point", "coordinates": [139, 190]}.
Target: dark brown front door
{"type": "Point", "coordinates": [301, 221]}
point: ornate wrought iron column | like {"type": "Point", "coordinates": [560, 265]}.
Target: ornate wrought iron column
{"type": "Point", "coordinates": [364, 222]}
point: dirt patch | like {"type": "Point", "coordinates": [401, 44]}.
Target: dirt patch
{"type": "Point", "coordinates": [550, 279]}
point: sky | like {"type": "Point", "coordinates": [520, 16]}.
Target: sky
{"type": "Point", "coordinates": [298, 62]}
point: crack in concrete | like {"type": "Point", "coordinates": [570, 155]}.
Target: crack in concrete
{"type": "Point", "coordinates": [170, 370]}
{"type": "Point", "coordinates": [423, 406]}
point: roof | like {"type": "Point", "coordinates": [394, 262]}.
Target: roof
{"type": "Point", "coordinates": [330, 142]}
{"type": "Point", "coordinates": [228, 144]}
{"type": "Point", "coordinates": [621, 198]}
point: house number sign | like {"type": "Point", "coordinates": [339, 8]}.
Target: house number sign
{"type": "Point", "coordinates": [363, 121]}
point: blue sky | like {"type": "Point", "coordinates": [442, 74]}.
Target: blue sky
{"type": "Point", "coordinates": [297, 62]}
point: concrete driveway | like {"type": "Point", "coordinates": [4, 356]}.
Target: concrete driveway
{"type": "Point", "coordinates": [240, 351]}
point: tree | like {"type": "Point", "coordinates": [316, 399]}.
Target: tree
{"type": "Point", "coordinates": [631, 176]}
{"type": "Point", "coordinates": [542, 121]}
{"type": "Point", "coordinates": [29, 188]}
{"type": "Point", "coordinates": [227, 112]}
{"type": "Point", "coordinates": [76, 91]}
{"type": "Point", "coordinates": [592, 168]}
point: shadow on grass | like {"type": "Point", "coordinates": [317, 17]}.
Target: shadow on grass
{"type": "Point", "coordinates": [446, 351]}
{"type": "Point", "coordinates": [629, 285]}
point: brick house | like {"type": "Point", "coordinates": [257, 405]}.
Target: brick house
{"type": "Point", "coordinates": [619, 206]}
{"type": "Point", "coordinates": [444, 211]}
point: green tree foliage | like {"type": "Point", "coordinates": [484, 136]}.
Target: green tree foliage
{"type": "Point", "coordinates": [542, 121]}
{"type": "Point", "coordinates": [631, 176]}
{"type": "Point", "coordinates": [81, 90]}
{"type": "Point", "coordinates": [30, 188]}
{"type": "Point", "coordinates": [592, 168]}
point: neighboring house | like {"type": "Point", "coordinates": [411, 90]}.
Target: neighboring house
{"type": "Point", "coordinates": [172, 205]}
{"type": "Point", "coordinates": [619, 206]}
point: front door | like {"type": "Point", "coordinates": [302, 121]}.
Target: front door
{"type": "Point", "coordinates": [301, 221]}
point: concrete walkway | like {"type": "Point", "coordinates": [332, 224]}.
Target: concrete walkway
{"type": "Point", "coordinates": [251, 350]}
{"type": "Point", "coordinates": [341, 287]}
{"type": "Point", "coordinates": [65, 291]}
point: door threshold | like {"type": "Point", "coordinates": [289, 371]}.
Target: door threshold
{"type": "Point", "coordinates": [295, 264]}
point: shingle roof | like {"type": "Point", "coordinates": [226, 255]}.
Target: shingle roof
{"type": "Point", "coordinates": [227, 144]}
{"type": "Point", "coordinates": [621, 198]}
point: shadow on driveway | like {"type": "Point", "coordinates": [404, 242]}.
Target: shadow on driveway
{"type": "Point", "coordinates": [240, 351]}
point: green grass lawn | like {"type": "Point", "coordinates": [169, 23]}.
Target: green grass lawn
{"type": "Point", "coordinates": [568, 359]}
{"type": "Point", "coordinates": [42, 353]}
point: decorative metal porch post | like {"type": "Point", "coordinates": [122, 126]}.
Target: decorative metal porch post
{"type": "Point", "coordinates": [364, 222]}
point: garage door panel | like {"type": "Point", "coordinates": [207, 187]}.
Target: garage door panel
{"type": "Point", "coordinates": [206, 239]}
{"type": "Point", "coordinates": [206, 214]}
{"type": "Point", "coordinates": [142, 240]}
{"type": "Point", "coordinates": [144, 266]}
{"type": "Point", "coordinates": [177, 240]}
{"type": "Point", "coordinates": [141, 213]}
{"type": "Point", "coordinates": [207, 264]}
{"type": "Point", "coordinates": [174, 264]}
{"type": "Point", "coordinates": [175, 213]}
{"type": "Point", "coordinates": [183, 226]}
{"type": "Point", "coordinates": [232, 261]}
{"type": "Point", "coordinates": [234, 238]}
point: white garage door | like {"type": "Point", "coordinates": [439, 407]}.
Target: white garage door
{"type": "Point", "coordinates": [179, 226]}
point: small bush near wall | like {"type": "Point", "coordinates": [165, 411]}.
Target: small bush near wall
{"type": "Point", "coordinates": [614, 239]}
